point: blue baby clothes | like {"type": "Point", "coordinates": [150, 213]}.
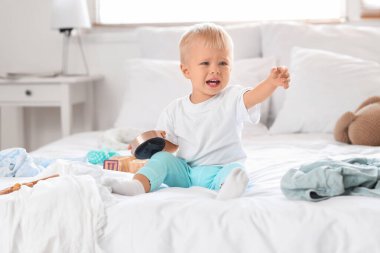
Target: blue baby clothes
{"type": "Point", "coordinates": [327, 178]}
{"type": "Point", "coordinates": [16, 162]}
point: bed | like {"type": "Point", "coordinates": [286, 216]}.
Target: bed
{"type": "Point", "coordinates": [192, 220]}
{"type": "Point", "coordinates": [263, 220]}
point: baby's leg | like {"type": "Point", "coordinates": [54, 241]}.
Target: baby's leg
{"type": "Point", "coordinates": [234, 185]}
{"type": "Point", "coordinates": [126, 186]}
{"type": "Point", "coordinates": [163, 167]}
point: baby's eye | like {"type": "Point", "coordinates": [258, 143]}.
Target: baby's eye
{"type": "Point", "coordinates": [205, 63]}
{"type": "Point", "coordinates": [223, 63]}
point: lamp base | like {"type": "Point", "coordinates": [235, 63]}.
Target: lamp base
{"type": "Point", "coordinates": [65, 52]}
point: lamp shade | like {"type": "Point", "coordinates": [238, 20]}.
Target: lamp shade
{"type": "Point", "coordinates": [70, 14]}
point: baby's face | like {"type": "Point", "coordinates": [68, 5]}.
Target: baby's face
{"type": "Point", "coordinates": [208, 69]}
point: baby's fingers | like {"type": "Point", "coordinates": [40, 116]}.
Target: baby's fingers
{"type": "Point", "coordinates": [283, 71]}
{"type": "Point", "coordinates": [163, 134]}
{"type": "Point", "coordinates": [285, 82]}
{"type": "Point", "coordinates": [274, 72]}
{"type": "Point", "coordinates": [280, 72]}
{"type": "Point", "coordinates": [285, 75]}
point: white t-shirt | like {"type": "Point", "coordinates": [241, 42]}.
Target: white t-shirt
{"type": "Point", "coordinates": [209, 133]}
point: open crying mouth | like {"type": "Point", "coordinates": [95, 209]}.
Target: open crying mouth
{"type": "Point", "coordinates": [213, 83]}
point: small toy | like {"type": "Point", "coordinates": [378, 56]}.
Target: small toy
{"type": "Point", "coordinates": [17, 186]}
{"type": "Point", "coordinates": [361, 127]}
{"type": "Point", "coordinates": [147, 144]}
{"type": "Point", "coordinates": [124, 164]}
{"type": "Point", "coordinates": [99, 156]}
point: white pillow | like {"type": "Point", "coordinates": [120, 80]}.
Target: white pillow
{"type": "Point", "coordinates": [324, 86]}
{"type": "Point", "coordinates": [163, 42]}
{"type": "Point", "coordinates": [279, 38]}
{"type": "Point", "coordinates": [153, 84]}
{"type": "Point", "coordinates": [246, 39]}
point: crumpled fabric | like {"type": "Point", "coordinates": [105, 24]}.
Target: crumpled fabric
{"type": "Point", "coordinates": [16, 162]}
{"type": "Point", "coordinates": [328, 178]}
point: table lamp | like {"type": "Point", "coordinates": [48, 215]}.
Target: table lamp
{"type": "Point", "coordinates": [66, 16]}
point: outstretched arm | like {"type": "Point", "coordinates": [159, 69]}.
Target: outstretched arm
{"type": "Point", "coordinates": [279, 76]}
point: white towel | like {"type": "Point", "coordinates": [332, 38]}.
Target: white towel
{"type": "Point", "coordinates": [62, 214]}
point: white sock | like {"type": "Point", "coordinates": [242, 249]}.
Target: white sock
{"type": "Point", "coordinates": [124, 186]}
{"type": "Point", "coordinates": [234, 186]}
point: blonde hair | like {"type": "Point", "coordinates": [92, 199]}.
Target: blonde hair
{"type": "Point", "coordinates": [214, 36]}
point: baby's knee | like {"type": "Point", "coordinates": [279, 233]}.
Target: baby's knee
{"type": "Point", "coordinates": [163, 156]}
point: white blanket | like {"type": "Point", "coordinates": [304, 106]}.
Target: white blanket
{"type": "Point", "coordinates": [191, 220]}
{"type": "Point", "coordinates": [63, 214]}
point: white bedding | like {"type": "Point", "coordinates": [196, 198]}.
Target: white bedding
{"type": "Point", "coordinates": [263, 220]}
{"type": "Point", "coordinates": [61, 214]}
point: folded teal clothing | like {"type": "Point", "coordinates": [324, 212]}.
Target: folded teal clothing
{"type": "Point", "coordinates": [328, 178]}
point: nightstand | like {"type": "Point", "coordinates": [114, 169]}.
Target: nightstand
{"type": "Point", "coordinates": [63, 92]}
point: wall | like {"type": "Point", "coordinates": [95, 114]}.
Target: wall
{"type": "Point", "coordinates": [27, 43]}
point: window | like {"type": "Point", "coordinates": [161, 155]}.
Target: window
{"type": "Point", "coordinates": [179, 11]}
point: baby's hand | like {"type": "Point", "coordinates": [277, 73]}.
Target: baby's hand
{"type": "Point", "coordinates": [162, 133]}
{"type": "Point", "coordinates": [279, 76]}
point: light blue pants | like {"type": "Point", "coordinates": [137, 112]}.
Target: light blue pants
{"type": "Point", "coordinates": [164, 167]}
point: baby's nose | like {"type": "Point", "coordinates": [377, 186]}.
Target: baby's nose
{"type": "Point", "coordinates": [215, 71]}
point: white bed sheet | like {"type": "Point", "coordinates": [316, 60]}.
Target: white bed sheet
{"type": "Point", "coordinates": [263, 220]}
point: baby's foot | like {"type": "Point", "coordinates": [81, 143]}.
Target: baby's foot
{"type": "Point", "coordinates": [124, 186]}
{"type": "Point", "coordinates": [234, 186]}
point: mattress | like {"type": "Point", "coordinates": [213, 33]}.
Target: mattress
{"type": "Point", "coordinates": [263, 220]}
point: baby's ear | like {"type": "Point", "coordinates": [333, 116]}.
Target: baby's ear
{"type": "Point", "coordinates": [185, 71]}
{"type": "Point", "coordinates": [369, 101]}
{"type": "Point", "coordinates": [341, 127]}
